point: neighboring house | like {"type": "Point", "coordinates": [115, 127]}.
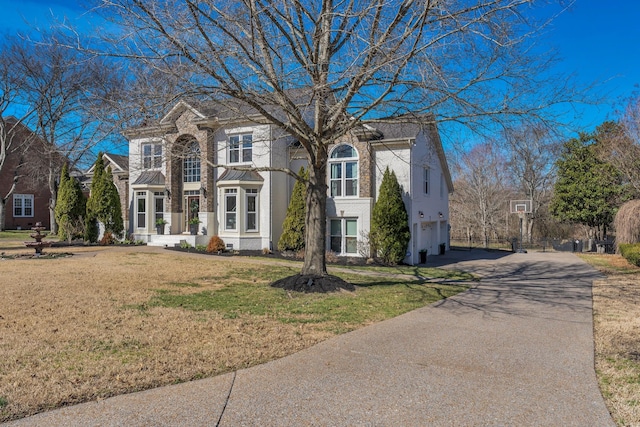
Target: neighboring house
{"type": "Point", "coordinates": [25, 158]}
{"type": "Point", "coordinates": [169, 179]}
{"type": "Point", "coordinates": [119, 165]}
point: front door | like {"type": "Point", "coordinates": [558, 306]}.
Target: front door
{"type": "Point", "coordinates": [193, 207]}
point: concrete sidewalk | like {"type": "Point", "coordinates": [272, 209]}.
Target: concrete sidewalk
{"type": "Point", "coordinates": [516, 350]}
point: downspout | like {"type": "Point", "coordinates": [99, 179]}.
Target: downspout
{"type": "Point", "coordinates": [414, 242]}
{"type": "Point", "coordinates": [271, 188]}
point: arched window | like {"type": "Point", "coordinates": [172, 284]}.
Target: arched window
{"type": "Point", "coordinates": [344, 171]}
{"type": "Point", "coordinates": [191, 163]}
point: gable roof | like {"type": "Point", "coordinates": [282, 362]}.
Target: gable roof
{"type": "Point", "coordinates": [178, 109]}
{"type": "Point", "coordinates": [215, 112]}
{"type": "Point", "coordinates": [118, 163]}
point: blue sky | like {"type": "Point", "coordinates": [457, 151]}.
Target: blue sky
{"type": "Point", "coordinates": [599, 42]}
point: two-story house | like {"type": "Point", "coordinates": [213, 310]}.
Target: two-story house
{"type": "Point", "coordinates": [171, 177]}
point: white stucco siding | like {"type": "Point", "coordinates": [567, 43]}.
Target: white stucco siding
{"type": "Point", "coordinates": [435, 203]}
{"type": "Point", "coordinates": [279, 190]}
{"type": "Point", "coordinates": [135, 170]}
{"type": "Point", "coordinates": [428, 212]}
{"type": "Point", "coordinates": [135, 156]}
{"type": "Point", "coordinates": [398, 159]}
{"type": "Point", "coordinates": [429, 229]}
{"type": "Point", "coordinates": [267, 151]}
{"type": "Point", "coordinates": [358, 208]}
{"type": "Point", "coordinates": [261, 144]}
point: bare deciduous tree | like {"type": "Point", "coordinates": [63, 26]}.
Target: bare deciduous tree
{"type": "Point", "coordinates": [481, 199]}
{"type": "Point", "coordinates": [532, 153]}
{"type": "Point", "coordinates": [14, 137]}
{"type": "Point", "coordinates": [619, 144]}
{"type": "Point", "coordinates": [318, 69]}
{"type": "Point", "coordinates": [69, 95]}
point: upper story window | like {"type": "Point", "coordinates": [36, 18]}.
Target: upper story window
{"type": "Point", "coordinates": [191, 163]}
{"type": "Point", "coordinates": [152, 156]}
{"type": "Point", "coordinates": [22, 205]}
{"type": "Point", "coordinates": [344, 171]}
{"type": "Point", "coordinates": [240, 147]}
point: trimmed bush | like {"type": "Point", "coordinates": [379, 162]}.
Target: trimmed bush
{"type": "Point", "coordinates": [104, 202]}
{"type": "Point", "coordinates": [70, 207]}
{"type": "Point", "coordinates": [293, 227]}
{"type": "Point", "coordinates": [390, 232]}
{"type": "Point", "coordinates": [631, 252]}
{"type": "Point", "coordinates": [216, 244]}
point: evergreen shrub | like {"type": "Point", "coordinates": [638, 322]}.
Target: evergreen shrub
{"type": "Point", "coordinates": [293, 227]}
{"type": "Point", "coordinates": [104, 202]}
{"type": "Point", "coordinates": [631, 252]}
{"type": "Point", "coordinates": [390, 233]}
{"type": "Point", "coordinates": [70, 207]}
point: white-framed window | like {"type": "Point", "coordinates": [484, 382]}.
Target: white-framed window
{"type": "Point", "coordinates": [141, 209]}
{"type": "Point", "coordinates": [152, 156]}
{"type": "Point", "coordinates": [344, 235]}
{"type": "Point", "coordinates": [158, 201]}
{"type": "Point", "coordinates": [240, 148]}
{"type": "Point", "coordinates": [343, 180]}
{"type": "Point", "coordinates": [427, 180]}
{"type": "Point", "coordinates": [22, 205]}
{"type": "Point", "coordinates": [191, 163]}
{"type": "Point", "coordinates": [230, 208]}
{"type": "Point", "coordinates": [252, 209]}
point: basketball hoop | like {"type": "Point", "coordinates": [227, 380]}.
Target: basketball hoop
{"type": "Point", "coordinates": [521, 207]}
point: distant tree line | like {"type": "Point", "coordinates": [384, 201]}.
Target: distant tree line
{"type": "Point", "coordinates": [576, 186]}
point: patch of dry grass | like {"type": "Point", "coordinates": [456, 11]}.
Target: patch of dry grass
{"type": "Point", "coordinates": [108, 321]}
{"type": "Point", "coordinates": [616, 303]}
{"type": "Point", "coordinates": [67, 334]}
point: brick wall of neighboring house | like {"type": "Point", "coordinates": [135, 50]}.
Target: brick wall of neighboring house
{"type": "Point", "coordinates": [40, 212]}
{"type": "Point", "coordinates": [29, 154]}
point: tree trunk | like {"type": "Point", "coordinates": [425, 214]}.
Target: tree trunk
{"type": "Point", "coordinates": [316, 223]}
{"type": "Point", "coordinates": [53, 189]}
{"type": "Point", "coordinates": [3, 213]}
{"type": "Point", "coordinates": [530, 224]}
